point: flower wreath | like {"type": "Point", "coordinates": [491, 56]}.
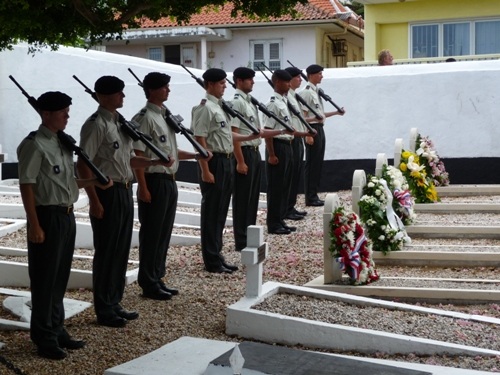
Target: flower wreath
{"type": "Point", "coordinates": [350, 247]}
{"type": "Point", "coordinates": [434, 166]}
{"type": "Point", "coordinates": [384, 227]}
{"type": "Point", "coordinates": [421, 185]}
{"type": "Point", "coordinates": [403, 201]}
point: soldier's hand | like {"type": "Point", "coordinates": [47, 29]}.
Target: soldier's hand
{"type": "Point", "coordinates": [242, 168]}
{"type": "Point", "coordinates": [208, 178]}
{"type": "Point", "coordinates": [309, 140]}
{"type": "Point", "coordinates": [36, 234]}
{"type": "Point", "coordinates": [143, 195]}
{"type": "Point", "coordinates": [96, 210]}
{"type": "Point", "coordinates": [273, 160]}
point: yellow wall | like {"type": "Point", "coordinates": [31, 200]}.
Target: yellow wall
{"type": "Point", "coordinates": [386, 25]}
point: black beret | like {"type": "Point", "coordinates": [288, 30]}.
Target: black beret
{"type": "Point", "coordinates": [282, 75]}
{"type": "Point", "coordinates": [314, 68]}
{"type": "Point", "coordinates": [108, 85]}
{"type": "Point", "coordinates": [53, 101]}
{"type": "Point", "coordinates": [294, 72]}
{"type": "Point", "coordinates": [243, 73]}
{"type": "Point", "coordinates": [155, 80]}
{"type": "Point", "coordinates": [214, 75]}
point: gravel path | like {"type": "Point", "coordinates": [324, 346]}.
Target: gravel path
{"type": "Point", "coordinates": [199, 310]}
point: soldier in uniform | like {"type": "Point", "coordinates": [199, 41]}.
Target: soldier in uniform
{"type": "Point", "coordinates": [279, 156]}
{"type": "Point", "coordinates": [297, 145]}
{"type": "Point", "coordinates": [315, 147]}
{"type": "Point", "coordinates": [212, 130]}
{"type": "Point", "coordinates": [49, 189]}
{"type": "Point", "coordinates": [248, 172]}
{"type": "Point", "coordinates": [112, 210]}
{"type": "Point", "coordinates": [157, 190]}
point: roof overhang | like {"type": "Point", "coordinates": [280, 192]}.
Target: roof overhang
{"type": "Point", "coordinates": [187, 34]}
{"type": "Point", "coordinates": [377, 2]}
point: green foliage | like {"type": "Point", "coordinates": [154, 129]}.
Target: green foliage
{"type": "Point", "coordinates": [51, 23]}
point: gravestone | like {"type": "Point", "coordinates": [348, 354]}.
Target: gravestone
{"type": "Point", "coordinates": [413, 139]}
{"type": "Point", "coordinates": [358, 184]}
{"type": "Point", "coordinates": [398, 149]}
{"type": "Point", "coordinates": [252, 257]}
{"type": "Point", "coordinates": [331, 269]}
{"type": "Point", "coordinates": [379, 164]}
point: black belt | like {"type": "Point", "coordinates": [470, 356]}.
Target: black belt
{"type": "Point", "coordinates": [163, 176]}
{"type": "Point", "coordinates": [62, 209]}
{"type": "Point", "coordinates": [254, 148]}
{"type": "Point", "coordinates": [316, 124]}
{"type": "Point", "coordinates": [227, 155]}
{"type": "Point", "coordinates": [285, 141]}
{"type": "Point", "coordinates": [123, 185]}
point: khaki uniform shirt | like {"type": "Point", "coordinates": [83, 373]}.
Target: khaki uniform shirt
{"type": "Point", "coordinates": [242, 103]}
{"type": "Point", "coordinates": [296, 122]}
{"type": "Point", "coordinates": [209, 120]}
{"type": "Point", "coordinates": [46, 163]}
{"type": "Point", "coordinates": [278, 106]}
{"type": "Point", "coordinates": [311, 96]}
{"type": "Point", "coordinates": [107, 146]}
{"type": "Point", "coordinates": [152, 122]}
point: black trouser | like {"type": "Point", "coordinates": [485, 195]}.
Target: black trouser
{"type": "Point", "coordinates": [298, 157]}
{"type": "Point", "coordinates": [246, 195]}
{"type": "Point", "coordinates": [278, 184]}
{"type": "Point", "coordinates": [112, 237]}
{"type": "Point", "coordinates": [214, 206]}
{"type": "Point", "coordinates": [314, 164]}
{"type": "Point", "coordinates": [157, 221]}
{"type": "Point", "coordinates": [49, 266]}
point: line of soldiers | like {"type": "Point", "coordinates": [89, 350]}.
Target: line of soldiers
{"type": "Point", "coordinates": [232, 166]}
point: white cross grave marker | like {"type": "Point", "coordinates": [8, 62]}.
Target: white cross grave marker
{"type": "Point", "coordinates": [252, 257]}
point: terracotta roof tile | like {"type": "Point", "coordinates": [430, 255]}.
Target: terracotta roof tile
{"type": "Point", "coordinates": [313, 10]}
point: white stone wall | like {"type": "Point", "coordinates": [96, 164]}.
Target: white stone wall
{"type": "Point", "coordinates": [456, 104]}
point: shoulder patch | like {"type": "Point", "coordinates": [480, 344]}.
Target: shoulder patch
{"type": "Point", "coordinates": [308, 87]}
{"type": "Point", "coordinates": [93, 117]}
{"type": "Point", "coordinates": [31, 135]}
{"type": "Point", "coordinates": [236, 95]}
{"type": "Point", "coordinates": [143, 111]}
{"type": "Point", "coordinates": [273, 98]}
{"type": "Point", "coordinates": [203, 101]}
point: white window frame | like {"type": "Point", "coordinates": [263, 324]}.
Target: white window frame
{"type": "Point", "coordinates": [162, 53]}
{"type": "Point", "coordinates": [440, 24]}
{"type": "Point", "coordinates": [266, 43]}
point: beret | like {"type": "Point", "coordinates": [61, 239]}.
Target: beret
{"type": "Point", "coordinates": [53, 101]}
{"type": "Point", "coordinates": [243, 73]}
{"type": "Point", "coordinates": [214, 75]}
{"type": "Point", "coordinates": [314, 68]}
{"type": "Point", "coordinates": [108, 85]}
{"type": "Point", "coordinates": [294, 72]}
{"type": "Point", "coordinates": [282, 75]}
{"type": "Point", "coordinates": [155, 80]}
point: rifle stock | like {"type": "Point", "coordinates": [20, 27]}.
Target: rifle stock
{"type": "Point", "coordinates": [225, 106]}
{"type": "Point", "coordinates": [320, 91]}
{"type": "Point", "coordinates": [67, 140]}
{"type": "Point", "coordinates": [129, 128]}
{"type": "Point", "coordinates": [175, 123]}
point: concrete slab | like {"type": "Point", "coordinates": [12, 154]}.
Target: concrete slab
{"type": "Point", "coordinates": [258, 325]}
{"type": "Point", "coordinates": [457, 208]}
{"type": "Point", "coordinates": [8, 226]}
{"type": "Point", "coordinates": [19, 304]}
{"type": "Point", "coordinates": [189, 355]}
{"type": "Point", "coordinates": [437, 258]}
{"type": "Point", "coordinates": [458, 231]}
{"type": "Point", "coordinates": [414, 294]}
{"type": "Point", "coordinates": [467, 190]}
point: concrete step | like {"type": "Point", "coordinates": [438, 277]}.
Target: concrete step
{"type": "Point", "coordinates": [437, 258]}
{"type": "Point", "coordinates": [459, 231]}
{"type": "Point", "coordinates": [467, 190]}
{"type": "Point", "coordinates": [456, 208]}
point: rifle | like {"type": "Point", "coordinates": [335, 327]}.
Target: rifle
{"type": "Point", "coordinates": [67, 140]}
{"type": "Point", "coordinates": [265, 111]}
{"type": "Point", "coordinates": [130, 129]}
{"type": "Point", "coordinates": [292, 109]}
{"type": "Point", "coordinates": [320, 91]}
{"type": "Point", "coordinates": [175, 123]}
{"type": "Point", "coordinates": [225, 106]}
{"type": "Point", "coordinates": [301, 100]}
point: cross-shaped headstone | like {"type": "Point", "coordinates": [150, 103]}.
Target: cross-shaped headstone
{"type": "Point", "coordinates": [252, 257]}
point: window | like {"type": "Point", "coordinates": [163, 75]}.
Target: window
{"type": "Point", "coordinates": [266, 51]}
{"type": "Point", "coordinates": [155, 53]}
{"type": "Point", "coordinates": [455, 38]}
